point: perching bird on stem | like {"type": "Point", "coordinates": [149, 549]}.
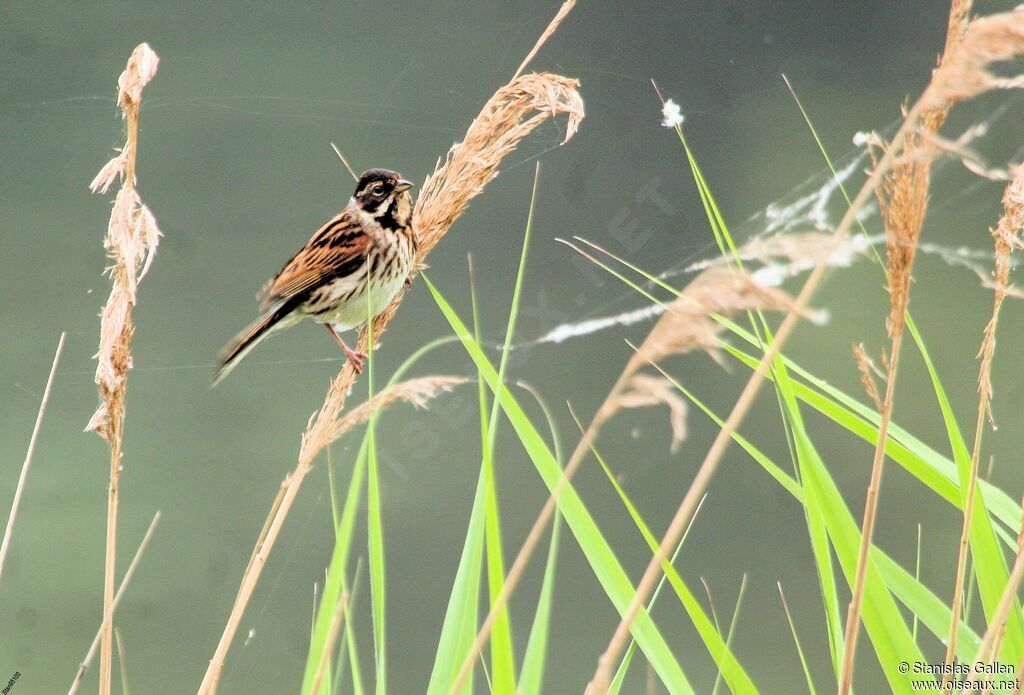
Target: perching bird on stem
{"type": "Point", "coordinates": [351, 269]}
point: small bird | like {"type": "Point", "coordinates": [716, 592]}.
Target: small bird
{"type": "Point", "coordinates": [349, 270]}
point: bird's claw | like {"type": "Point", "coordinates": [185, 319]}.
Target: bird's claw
{"type": "Point", "coordinates": [358, 360]}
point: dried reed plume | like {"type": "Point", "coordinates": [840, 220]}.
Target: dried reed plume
{"type": "Point", "coordinates": [1007, 238]}
{"type": "Point", "coordinates": [509, 115]}
{"type": "Point", "coordinates": [867, 370]}
{"type": "Point", "coordinates": [647, 391]}
{"type": "Point", "coordinates": [418, 392]}
{"type": "Point", "coordinates": [689, 323]}
{"type": "Point", "coordinates": [131, 241]}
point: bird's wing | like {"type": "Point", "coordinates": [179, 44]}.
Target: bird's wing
{"type": "Point", "coordinates": [337, 249]}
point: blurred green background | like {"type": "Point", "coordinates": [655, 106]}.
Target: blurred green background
{"type": "Point", "coordinates": [236, 165]}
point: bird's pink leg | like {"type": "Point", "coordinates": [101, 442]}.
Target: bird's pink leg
{"type": "Point", "coordinates": [356, 358]}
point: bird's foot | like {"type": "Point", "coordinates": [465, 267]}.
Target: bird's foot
{"type": "Point", "coordinates": [358, 359]}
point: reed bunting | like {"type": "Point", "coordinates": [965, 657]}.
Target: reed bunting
{"type": "Point", "coordinates": [351, 268]}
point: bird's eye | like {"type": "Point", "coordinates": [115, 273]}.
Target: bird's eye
{"type": "Point", "coordinates": [377, 190]}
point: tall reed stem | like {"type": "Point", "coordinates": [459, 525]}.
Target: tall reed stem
{"type": "Point", "coordinates": [6, 543]}
{"type": "Point", "coordinates": [868, 524]}
{"type": "Point", "coordinates": [1007, 239]}
{"type": "Point", "coordinates": [131, 240]}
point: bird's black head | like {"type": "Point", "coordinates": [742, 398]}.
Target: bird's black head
{"type": "Point", "coordinates": [384, 195]}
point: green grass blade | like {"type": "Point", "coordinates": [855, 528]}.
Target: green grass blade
{"type": "Point", "coordinates": [600, 556]}
{"type": "Point", "coordinates": [350, 639]}
{"type": "Point", "coordinates": [531, 678]}
{"type": "Point", "coordinates": [989, 563]}
{"type": "Point", "coordinates": [825, 506]}
{"type": "Point", "coordinates": [459, 628]}
{"type": "Point", "coordinates": [732, 629]}
{"type": "Point", "coordinates": [799, 649]}
{"type": "Point", "coordinates": [122, 667]}
{"type": "Point", "coordinates": [333, 586]}
{"type": "Point", "coordinates": [378, 577]}
{"type": "Point", "coordinates": [927, 465]}
{"type": "Point", "coordinates": [502, 654]}
{"type": "Point", "coordinates": [735, 676]}
{"type": "Point", "coordinates": [790, 415]}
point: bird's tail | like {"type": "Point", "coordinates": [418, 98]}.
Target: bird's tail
{"type": "Point", "coordinates": [250, 337]}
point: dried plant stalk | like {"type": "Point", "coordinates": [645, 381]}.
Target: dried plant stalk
{"type": "Point", "coordinates": [332, 636]}
{"type": "Point", "coordinates": [5, 544]}
{"type": "Point", "coordinates": [1006, 236]}
{"type": "Point", "coordinates": [131, 241]}
{"type": "Point", "coordinates": [902, 199]}
{"type": "Point", "coordinates": [84, 666]}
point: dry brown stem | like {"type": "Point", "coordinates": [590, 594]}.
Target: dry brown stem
{"type": "Point", "coordinates": [1006, 237]}
{"type": "Point", "coordinates": [902, 199]}
{"type": "Point", "coordinates": [23, 476]}
{"type": "Point", "coordinates": [332, 636]}
{"type": "Point", "coordinates": [131, 241]}
{"type": "Point", "coordinates": [507, 117]}
{"type": "Point", "coordinates": [84, 666]}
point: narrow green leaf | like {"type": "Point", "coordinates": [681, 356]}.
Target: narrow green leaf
{"type": "Point", "coordinates": [531, 678]}
{"type": "Point", "coordinates": [599, 554]}
{"type": "Point", "coordinates": [502, 654]}
{"type": "Point", "coordinates": [735, 676]}
{"type": "Point", "coordinates": [459, 628]}
{"type": "Point", "coordinates": [799, 649]}
{"type": "Point", "coordinates": [378, 581]}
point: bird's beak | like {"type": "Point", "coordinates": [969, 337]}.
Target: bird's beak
{"type": "Point", "coordinates": [403, 185]}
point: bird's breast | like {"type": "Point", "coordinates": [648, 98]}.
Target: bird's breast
{"type": "Point", "coordinates": [347, 301]}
